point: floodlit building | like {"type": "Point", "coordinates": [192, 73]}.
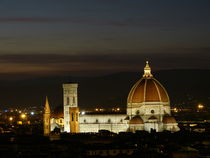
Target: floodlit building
{"type": "Point", "coordinates": [148, 108]}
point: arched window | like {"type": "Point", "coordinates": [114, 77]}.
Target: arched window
{"type": "Point", "coordinates": [72, 116]}
{"type": "Point", "coordinates": [76, 116]}
{"type": "Point", "coordinates": [84, 120]}
{"type": "Point", "coordinates": [74, 100]}
{"type": "Point", "coordinates": [96, 120]}
{"type": "Point", "coordinates": [109, 120]}
{"type": "Point", "coordinates": [67, 101]}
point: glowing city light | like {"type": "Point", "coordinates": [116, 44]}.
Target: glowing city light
{"type": "Point", "coordinates": [10, 118]}
{"type": "Point", "coordinates": [175, 110]}
{"type": "Point", "coordinates": [200, 106]}
{"type": "Point", "coordinates": [23, 116]}
{"type": "Point", "coordinates": [82, 113]}
{"type": "Point", "coordinates": [32, 113]}
{"type": "Point", "coordinates": [19, 122]}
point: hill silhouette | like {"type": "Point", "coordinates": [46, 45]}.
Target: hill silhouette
{"type": "Point", "coordinates": [185, 88]}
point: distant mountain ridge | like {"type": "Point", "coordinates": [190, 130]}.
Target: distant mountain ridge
{"type": "Point", "coordinates": [185, 88]}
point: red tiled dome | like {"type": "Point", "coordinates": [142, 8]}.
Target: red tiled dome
{"type": "Point", "coordinates": [136, 120]}
{"type": "Point", "coordinates": [147, 89]}
{"type": "Point", "coordinates": [168, 119]}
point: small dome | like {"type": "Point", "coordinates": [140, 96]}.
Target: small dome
{"type": "Point", "coordinates": [148, 89]}
{"type": "Point", "coordinates": [168, 119]}
{"type": "Point", "coordinates": [136, 120]}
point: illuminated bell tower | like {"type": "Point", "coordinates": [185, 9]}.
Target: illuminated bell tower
{"type": "Point", "coordinates": [46, 118]}
{"type": "Point", "coordinates": [69, 101]}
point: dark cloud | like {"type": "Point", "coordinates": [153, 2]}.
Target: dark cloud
{"type": "Point", "coordinates": [101, 63]}
{"type": "Point", "coordinates": [134, 22]}
{"type": "Point", "coordinates": [32, 19]}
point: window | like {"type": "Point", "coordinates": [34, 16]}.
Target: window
{"type": "Point", "coordinates": [84, 121]}
{"type": "Point", "coordinates": [137, 112]}
{"type": "Point", "coordinates": [152, 111]}
{"type": "Point", "coordinates": [72, 116]}
{"type": "Point", "coordinates": [67, 101]}
{"type": "Point", "coordinates": [74, 100]}
{"type": "Point", "coordinates": [109, 120]}
{"type": "Point", "coordinates": [76, 116]}
{"type": "Point", "coordinates": [96, 120]}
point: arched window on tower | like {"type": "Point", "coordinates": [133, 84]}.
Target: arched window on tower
{"type": "Point", "coordinates": [67, 101]}
{"type": "Point", "coordinates": [72, 116]}
{"type": "Point", "coordinates": [76, 116]}
{"type": "Point", "coordinates": [74, 100]}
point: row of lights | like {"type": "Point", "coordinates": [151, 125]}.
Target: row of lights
{"type": "Point", "coordinates": [199, 108]}
{"type": "Point", "coordinates": [101, 110]}
{"type": "Point", "coordinates": [22, 116]}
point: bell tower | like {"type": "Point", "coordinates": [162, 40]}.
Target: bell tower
{"type": "Point", "coordinates": [69, 101]}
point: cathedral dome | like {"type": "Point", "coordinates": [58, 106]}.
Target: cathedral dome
{"type": "Point", "coordinates": [136, 120]}
{"type": "Point", "coordinates": [147, 89]}
{"type": "Point", "coordinates": [168, 119]}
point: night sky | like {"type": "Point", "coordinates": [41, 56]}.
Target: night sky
{"type": "Point", "coordinates": [84, 38]}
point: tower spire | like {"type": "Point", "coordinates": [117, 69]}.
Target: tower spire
{"type": "Point", "coordinates": [46, 118]}
{"type": "Point", "coordinates": [147, 70]}
{"type": "Point", "coordinates": [47, 106]}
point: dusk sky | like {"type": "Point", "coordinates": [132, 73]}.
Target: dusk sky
{"type": "Point", "coordinates": [51, 37]}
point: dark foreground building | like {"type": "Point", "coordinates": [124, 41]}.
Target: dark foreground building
{"type": "Point", "coordinates": [107, 144]}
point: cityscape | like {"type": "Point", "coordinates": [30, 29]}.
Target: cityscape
{"type": "Point", "coordinates": [115, 79]}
